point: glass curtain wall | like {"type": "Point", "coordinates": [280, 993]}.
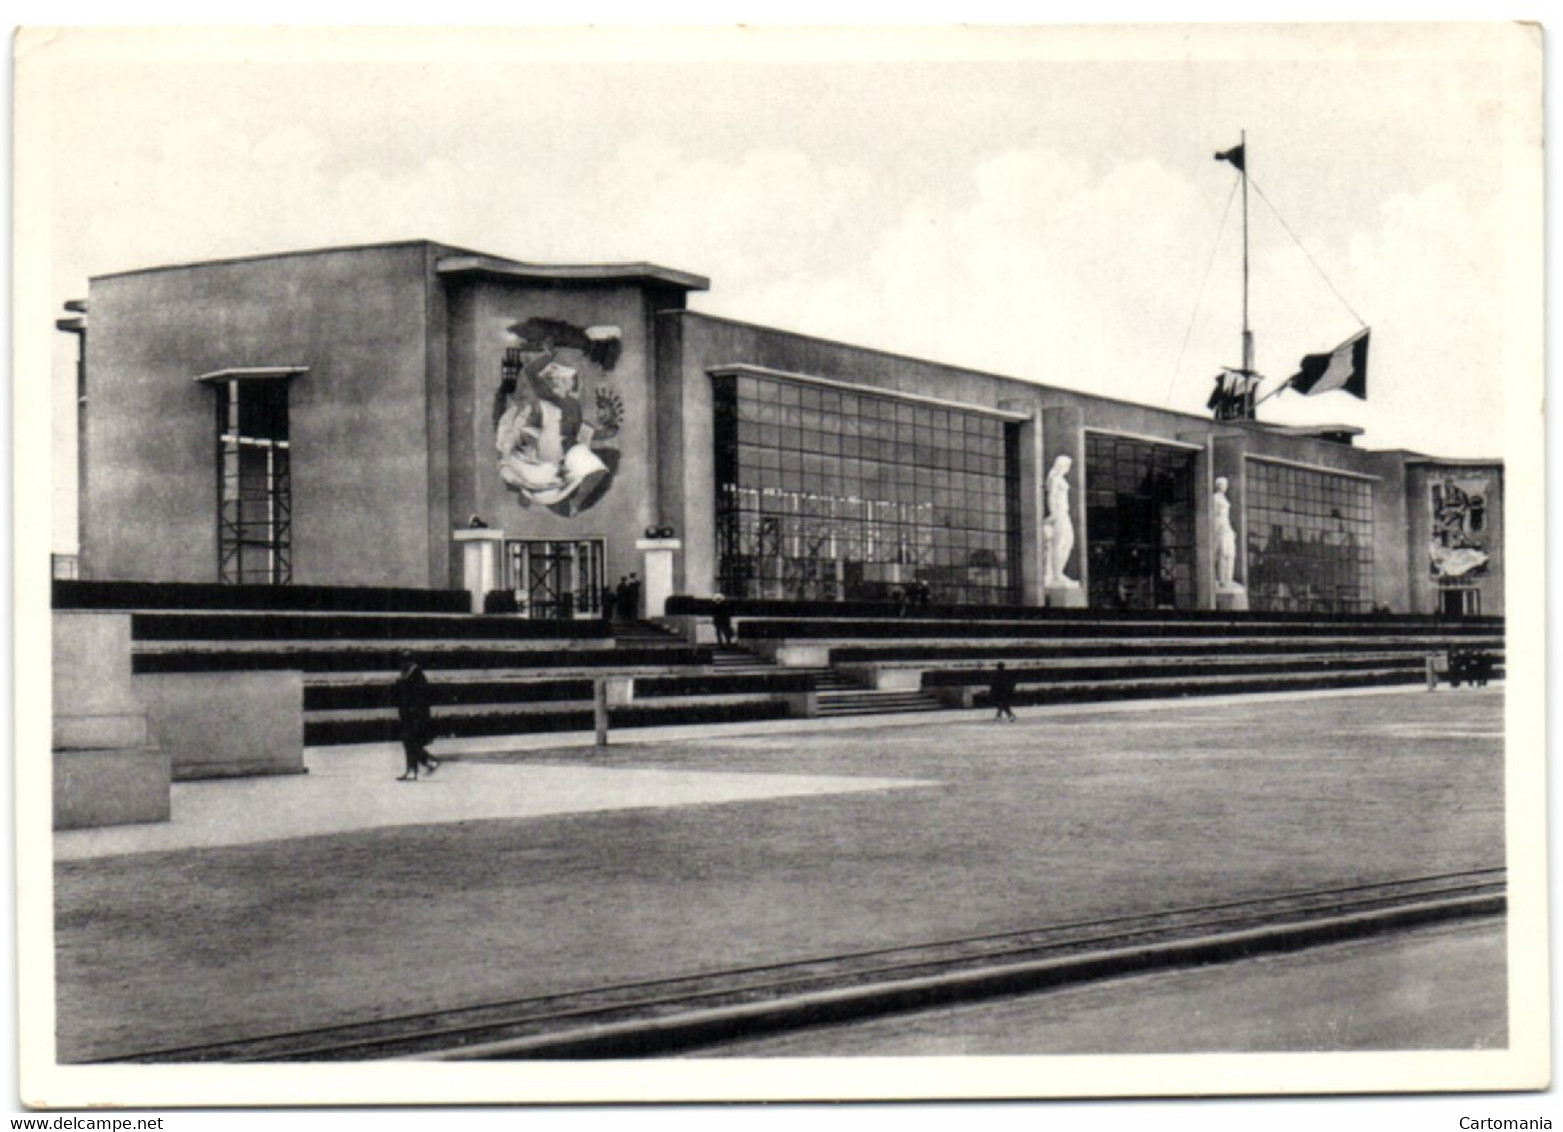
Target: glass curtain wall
{"type": "Point", "coordinates": [1310, 540]}
{"type": "Point", "coordinates": [830, 494]}
{"type": "Point", "coordinates": [1139, 523]}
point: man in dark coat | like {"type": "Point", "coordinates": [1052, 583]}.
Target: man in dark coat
{"type": "Point", "coordinates": [412, 712]}
{"type": "Point", "coordinates": [1002, 693]}
{"type": "Point", "coordinates": [722, 620]}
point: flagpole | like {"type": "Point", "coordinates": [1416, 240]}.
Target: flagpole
{"type": "Point", "coordinates": [1248, 335]}
{"type": "Point", "coordinates": [1287, 384]}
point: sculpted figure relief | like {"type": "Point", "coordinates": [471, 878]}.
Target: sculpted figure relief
{"type": "Point", "coordinates": [553, 451]}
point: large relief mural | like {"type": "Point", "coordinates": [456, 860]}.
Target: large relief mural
{"type": "Point", "coordinates": [1462, 539]}
{"type": "Point", "coordinates": [557, 416]}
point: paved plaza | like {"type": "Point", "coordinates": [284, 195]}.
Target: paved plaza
{"type": "Point", "coordinates": [540, 866]}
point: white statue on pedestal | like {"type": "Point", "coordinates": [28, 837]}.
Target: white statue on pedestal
{"type": "Point", "coordinates": [1058, 530]}
{"type": "Point", "coordinates": [1226, 539]}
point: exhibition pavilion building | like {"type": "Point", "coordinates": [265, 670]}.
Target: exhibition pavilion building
{"type": "Point", "coordinates": [351, 416]}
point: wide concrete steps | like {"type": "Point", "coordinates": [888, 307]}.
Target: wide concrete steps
{"type": "Point", "coordinates": [350, 657]}
{"type": "Point", "coordinates": [905, 631]}
{"type": "Point", "coordinates": [360, 707]}
{"type": "Point", "coordinates": [954, 648]}
{"type": "Point", "coordinates": [380, 725]}
{"type": "Point", "coordinates": [871, 702]}
{"type": "Point", "coordinates": [835, 695]}
{"type": "Point", "coordinates": [1171, 686]}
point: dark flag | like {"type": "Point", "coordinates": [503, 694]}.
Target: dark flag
{"type": "Point", "coordinates": [1234, 155]}
{"type": "Point", "coordinates": [1232, 399]}
{"type": "Point", "coordinates": [1345, 367]}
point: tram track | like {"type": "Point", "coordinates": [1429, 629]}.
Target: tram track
{"type": "Point", "coordinates": [663, 1016]}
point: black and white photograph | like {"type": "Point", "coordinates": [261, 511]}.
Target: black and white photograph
{"type": "Point", "coordinates": [645, 565]}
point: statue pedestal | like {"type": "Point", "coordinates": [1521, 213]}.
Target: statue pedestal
{"type": "Point", "coordinates": [480, 551]}
{"type": "Point", "coordinates": [1065, 597]}
{"type": "Point", "coordinates": [657, 560]}
{"type": "Point", "coordinates": [1232, 601]}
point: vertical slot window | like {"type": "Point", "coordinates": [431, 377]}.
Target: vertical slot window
{"type": "Point", "coordinates": [254, 483]}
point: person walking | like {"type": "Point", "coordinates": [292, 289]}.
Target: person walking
{"type": "Point", "coordinates": [1002, 692]}
{"type": "Point", "coordinates": [412, 712]}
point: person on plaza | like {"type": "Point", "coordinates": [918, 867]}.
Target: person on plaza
{"type": "Point", "coordinates": [621, 597]}
{"type": "Point", "coordinates": [608, 598]}
{"type": "Point", "coordinates": [632, 611]}
{"type": "Point", "coordinates": [1002, 692]}
{"type": "Point", "coordinates": [722, 620]}
{"type": "Point", "coordinates": [412, 712]}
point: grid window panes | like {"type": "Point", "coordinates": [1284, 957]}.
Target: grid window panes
{"type": "Point", "coordinates": [832, 494]}
{"type": "Point", "coordinates": [556, 578]}
{"type": "Point", "coordinates": [255, 496]}
{"type": "Point", "coordinates": [1310, 540]}
{"type": "Point", "coordinates": [1139, 523]}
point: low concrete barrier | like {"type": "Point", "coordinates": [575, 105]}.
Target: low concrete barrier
{"type": "Point", "coordinates": [94, 703]}
{"type": "Point", "coordinates": [801, 705]}
{"type": "Point", "coordinates": [112, 787]}
{"type": "Point", "coordinates": [884, 679]}
{"type": "Point", "coordinates": [955, 695]}
{"type": "Point", "coordinates": [694, 630]}
{"type": "Point", "coordinates": [790, 655]}
{"type": "Point", "coordinates": [227, 724]}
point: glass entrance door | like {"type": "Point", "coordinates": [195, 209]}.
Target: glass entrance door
{"type": "Point", "coordinates": [555, 578]}
{"type": "Point", "coordinates": [1140, 523]}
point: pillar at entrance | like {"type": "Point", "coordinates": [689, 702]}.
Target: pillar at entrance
{"type": "Point", "coordinates": [657, 556]}
{"type": "Point", "coordinates": [480, 551]}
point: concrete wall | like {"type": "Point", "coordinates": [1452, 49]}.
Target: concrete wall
{"type": "Point", "coordinates": [98, 788]}
{"type": "Point", "coordinates": [358, 318]}
{"type": "Point", "coordinates": [94, 701]}
{"type": "Point", "coordinates": [104, 771]}
{"type": "Point", "coordinates": [227, 724]}
{"type": "Point", "coordinates": [209, 725]}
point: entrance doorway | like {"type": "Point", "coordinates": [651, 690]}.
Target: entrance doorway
{"type": "Point", "coordinates": [1460, 601]}
{"type": "Point", "coordinates": [556, 579]}
{"type": "Point", "coordinates": [1139, 523]}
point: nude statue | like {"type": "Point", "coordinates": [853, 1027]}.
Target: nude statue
{"type": "Point", "coordinates": [1058, 528]}
{"type": "Point", "coordinates": [1225, 539]}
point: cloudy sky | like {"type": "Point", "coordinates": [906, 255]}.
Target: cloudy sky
{"type": "Point", "coordinates": [1041, 203]}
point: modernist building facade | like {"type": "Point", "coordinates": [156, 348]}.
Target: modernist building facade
{"type": "Point", "coordinates": [338, 417]}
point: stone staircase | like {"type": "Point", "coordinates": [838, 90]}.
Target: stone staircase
{"type": "Point", "coordinates": [497, 674]}
{"type": "Point", "coordinates": [838, 695]}
{"type": "Point", "coordinates": [1063, 656]}
{"type": "Point", "coordinates": [835, 694]}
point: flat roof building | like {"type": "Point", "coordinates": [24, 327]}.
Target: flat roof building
{"type": "Point", "coordinates": [337, 417]}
